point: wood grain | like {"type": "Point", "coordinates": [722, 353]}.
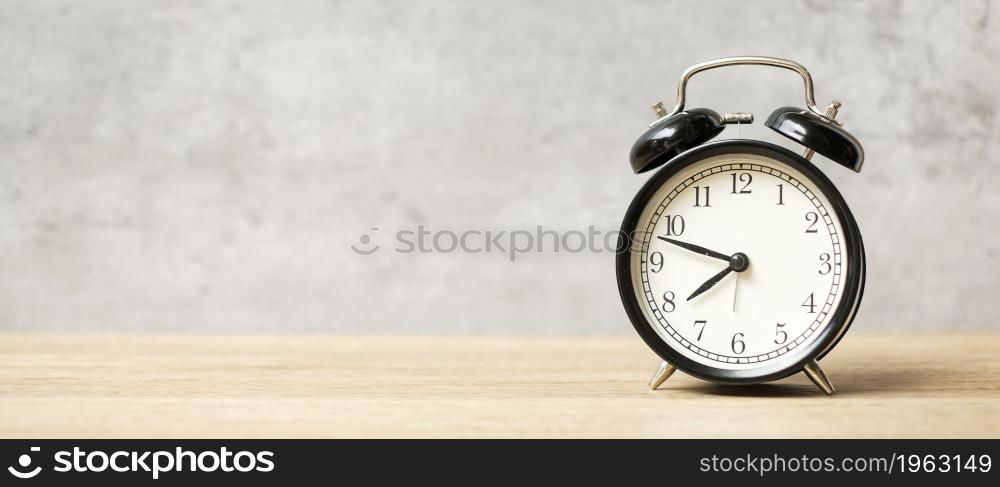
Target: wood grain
{"type": "Point", "coordinates": [896, 385]}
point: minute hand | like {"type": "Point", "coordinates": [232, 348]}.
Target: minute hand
{"type": "Point", "coordinates": [697, 249]}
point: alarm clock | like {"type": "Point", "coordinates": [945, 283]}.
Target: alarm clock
{"type": "Point", "coordinates": [739, 261]}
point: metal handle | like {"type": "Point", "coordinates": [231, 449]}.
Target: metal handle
{"type": "Point", "coordinates": [743, 60]}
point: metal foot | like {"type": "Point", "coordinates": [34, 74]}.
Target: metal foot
{"type": "Point", "coordinates": [818, 377]}
{"type": "Point", "coordinates": [662, 374]}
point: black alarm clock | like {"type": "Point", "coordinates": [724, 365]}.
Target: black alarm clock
{"type": "Point", "coordinates": [739, 261]}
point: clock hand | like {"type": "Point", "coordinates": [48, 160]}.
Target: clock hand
{"type": "Point", "coordinates": [736, 292]}
{"type": "Point", "coordinates": [696, 249]}
{"type": "Point", "coordinates": [712, 281]}
{"type": "Point", "coordinates": [739, 262]}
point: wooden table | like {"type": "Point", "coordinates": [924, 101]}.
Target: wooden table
{"type": "Point", "coordinates": [898, 385]}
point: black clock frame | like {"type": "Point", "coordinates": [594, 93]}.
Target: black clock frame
{"type": "Point", "coordinates": [842, 316]}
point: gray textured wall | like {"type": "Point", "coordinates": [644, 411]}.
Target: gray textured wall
{"type": "Point", "coordinates": [207, 165]}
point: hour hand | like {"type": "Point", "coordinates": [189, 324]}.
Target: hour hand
{"type": "Point", "coordinates": [712, 281]}
{"type": "Point", "coordinates": [696, 248]}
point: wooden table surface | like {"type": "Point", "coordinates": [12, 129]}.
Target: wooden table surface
{"type": "Point", "coordinates": [897, 385]}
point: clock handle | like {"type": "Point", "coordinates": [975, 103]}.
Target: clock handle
{"type": "Point", "coordinates": [735, 61]}
{"type": "Point", "coordinates": [818, 377]}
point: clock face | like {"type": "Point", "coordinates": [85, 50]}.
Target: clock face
{"type": "Point", "coordinates": [739, 262]}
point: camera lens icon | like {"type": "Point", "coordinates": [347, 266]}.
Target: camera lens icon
{"type": "Point", "coordinates": [24, 461]}
{"type": "Point", "coordinates": [367, 247]}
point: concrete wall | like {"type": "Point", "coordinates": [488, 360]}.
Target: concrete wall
{"type": "Point", "coordinates": [207, 165]}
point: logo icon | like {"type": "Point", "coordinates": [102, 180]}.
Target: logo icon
{"type": "Point", "coordinates": [365, 240]}
{"type": "Point", "coordinates": [25, 461]}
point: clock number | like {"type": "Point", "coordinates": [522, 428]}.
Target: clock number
{"type": "Point", "coordinates": [809, 303]}
{"type": "Point", "coordinates": [812, 218]}
{"type": "Point", "coordinates": [675, 225]}
{"type": "Point", "coordinates": [781, 194]}
{"type": "Point", "coordinates": [825, 266]}
{"type": "Point", "coordinates": [745, 178]}
{"type": "Point", "coordinates": [668, 301]}
{"type": "Point", "coordinates": [656, 260]}
{"type": "Point", "coordinates": [702, 330]}
{"type": "Point", "coordinates": [780, 336]}
{"type": "Point", "coordinates": [737, 344]}
{"type": "Point", "coordinates": [697, 196]}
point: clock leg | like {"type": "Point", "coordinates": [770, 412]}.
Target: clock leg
{"type": "Point", "coordinates": [818, 377]}
{"type": "Point", "coordinates": [662, 374]}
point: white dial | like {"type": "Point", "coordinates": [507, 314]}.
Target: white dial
{"type": "Point", "coordinates": [754, 311]}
